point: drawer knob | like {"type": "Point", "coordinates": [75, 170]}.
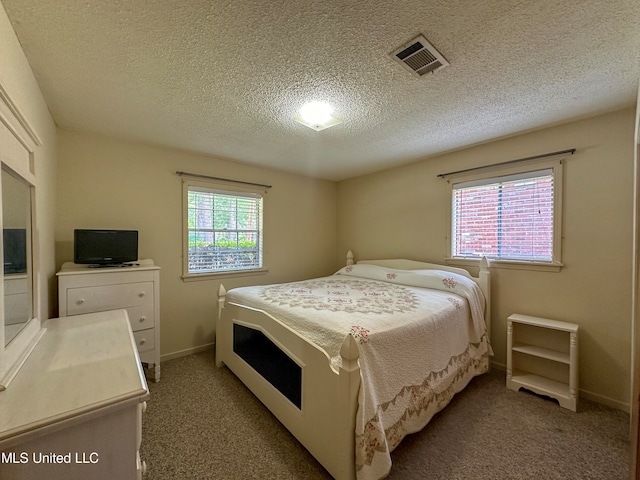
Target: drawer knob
{"type": "Point", "coordinates": [141, 294]}
{"type": "Point", "coordinates": [143, 341]}
{"type": "Point", "coordinates": [80, 302]}
{"type": "Point", "coordinates": [142, 319]}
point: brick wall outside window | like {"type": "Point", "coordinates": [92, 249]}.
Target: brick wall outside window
{"type": "Point", "coordinates": [511, 219]}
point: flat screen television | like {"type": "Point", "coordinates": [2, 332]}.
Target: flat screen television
{"type": "Point", "coordinates": [105, 247]}
{"type": "Point", "coordinates": [14, 242]}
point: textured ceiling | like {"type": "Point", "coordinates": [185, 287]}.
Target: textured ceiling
{"type": "Point", "coordinates": [226, 78]}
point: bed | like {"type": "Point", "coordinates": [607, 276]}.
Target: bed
{"type": "Point", "coordinates": [353, 362]}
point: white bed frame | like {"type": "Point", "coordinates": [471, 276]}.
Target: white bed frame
{"type": "Point", "coordinates": [325, 424]}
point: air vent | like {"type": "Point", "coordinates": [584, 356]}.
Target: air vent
{"type": "Point", "coordinates": [419, 57]}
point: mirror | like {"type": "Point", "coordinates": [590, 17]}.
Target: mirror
{"type": "Point", "coordinates": [16, 247]}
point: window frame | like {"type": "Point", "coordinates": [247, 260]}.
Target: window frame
{"type": "Point", "coordinates": [495, 173]}
{"type": "Point", "coordinates": [223, 188]}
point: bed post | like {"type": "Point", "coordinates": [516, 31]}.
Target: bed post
{"type": "Point", "coordinates": [222, 296]}
{"type": "Point", "coordinates": [349, 258]}
{"type": "Point", "coordinates": [350, 354]}
{"type": "Point", "coordinates": [349, 379]}
{"type": "Point", "coordinates": [350, 371]}
{"type": "Point", "coordinates": [484, 279]}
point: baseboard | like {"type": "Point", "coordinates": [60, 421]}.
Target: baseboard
{"type": "Point", "coordinates": [594, 397]}
{"type": "Point", "coordinates": [500, 367]}
{"type": "Point", "coordinates": [609, 402]}
{"type": "Point", "coordinates": [188, 351]}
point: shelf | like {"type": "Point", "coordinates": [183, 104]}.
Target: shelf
{"type": "Point", "coordinates": [542, 356]}
{"type": "Point", "coordinates": [543, 322]}
{"type": "Point", "coordinates": [542, 352]}
{"type": "Point", "coordinates": [541, 385]}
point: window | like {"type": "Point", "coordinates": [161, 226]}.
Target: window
{"type": "Point", "coordinates": [223, 230]}
{"type": "Point", "coordinates": [513, 217]}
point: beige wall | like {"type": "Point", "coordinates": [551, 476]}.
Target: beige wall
{"type": "Point", "coordinates": [403, 212]}
{"type": "Point", "coordinates": [107, 183]}
{"type": "Point", "coordinates": [19, 85]}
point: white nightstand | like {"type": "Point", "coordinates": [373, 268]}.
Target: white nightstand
{"type": "Point", "coordinates": [542, 356]}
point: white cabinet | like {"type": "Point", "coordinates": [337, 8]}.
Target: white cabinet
{"type": "Point", "coordinates": [82, 289]}
{"type": "Point", "coordinates": [542, 356]}
{"type": "Point", "coordinates": [74, 410]}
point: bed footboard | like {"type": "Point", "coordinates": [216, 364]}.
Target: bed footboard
{"type": "Point", "coordinates": [295, 381]}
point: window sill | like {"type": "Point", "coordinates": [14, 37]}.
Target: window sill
{"type": "Point", "coordinates": [196, 277]}
{"type": "Point", "coordinates": [508, 264]}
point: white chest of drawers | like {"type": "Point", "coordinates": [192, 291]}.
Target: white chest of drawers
{"type": "Point", "coordinates": [134, 288]}
{"type": "Point", "coordinates": [74, 410]}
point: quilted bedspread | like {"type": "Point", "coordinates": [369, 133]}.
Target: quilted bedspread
{"type": "Point", "coordinates": [421, 337]}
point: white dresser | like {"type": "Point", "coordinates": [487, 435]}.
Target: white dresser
{"type": "Point", "coordinates": [74, 409]}
{"type": "Point", "coordinates": [82, 289]}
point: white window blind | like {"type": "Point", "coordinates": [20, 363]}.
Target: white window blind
{"type": "Point", "coordinates": [509, 217]}
{"type": "Point", "coordinates": [224, 230]}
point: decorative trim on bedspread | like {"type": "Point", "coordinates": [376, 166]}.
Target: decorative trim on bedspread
{"type": "Point", "coordinates": [414, 406]}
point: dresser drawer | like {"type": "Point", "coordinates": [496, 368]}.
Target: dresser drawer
{"type": "Point", "coordinates": [141, 317]}
{"type": "Point", "coordinates": [109, 297]}
{"type": "Point", "coordinates": [145, 340]}
{"type": "Point", "coordinates": [14, 285]}
{"type": "Point", "coordinates": [16, 308]}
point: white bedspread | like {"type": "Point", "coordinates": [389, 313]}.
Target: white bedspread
{"type": "Point", "coordinates": [421, 336]}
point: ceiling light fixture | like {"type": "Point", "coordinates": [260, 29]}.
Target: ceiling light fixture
{"type": "Point", "coordinates": [316, 115]}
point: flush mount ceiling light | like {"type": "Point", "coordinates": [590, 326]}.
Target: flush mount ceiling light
{"type": "Point", "coordinates": [316, 115]}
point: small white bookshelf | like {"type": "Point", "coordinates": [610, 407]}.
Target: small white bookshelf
{"type": "Point", "coordinates": [542, 356]}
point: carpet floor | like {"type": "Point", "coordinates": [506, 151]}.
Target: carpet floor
{"type": "Point", "coordinates": [202, 423]}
